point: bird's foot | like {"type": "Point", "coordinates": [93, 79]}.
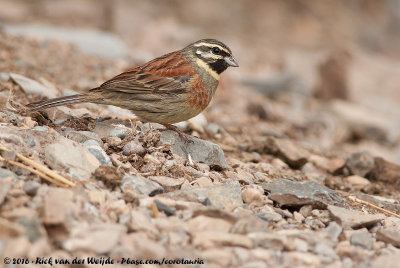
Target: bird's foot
{"type": "Point", "coordinates": [181, 134]}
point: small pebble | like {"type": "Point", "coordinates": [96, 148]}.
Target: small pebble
{"type": "Point", "coordinates": [41, 129]}
{"type": "Point", "coordinates": [133, 147]}
{"type": "Point", "coordinates": [113, 141]}
{"type": "Point", "coordinates": [119, 132]}
{"type": "Point", "coordinates": [305, 210]}
{"type": "Point", "coordinates": [31, 187]}
{"type": "Point", "coordinates": [163, 207]}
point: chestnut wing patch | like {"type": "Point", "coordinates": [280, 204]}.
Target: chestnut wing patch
{"type": "Point", "coordinates": [169, 74]}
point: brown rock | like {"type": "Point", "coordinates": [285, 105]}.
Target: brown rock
{"type": "Point", "coordinates": [169, 184]}
{"type": "Point", "coordinates": [10, 229]}
{"type": "Point", "coordinates": [244, 177]}
{"type": "Point", "coordinates": [139, 221]}
{"type": "Point", "coordinates": [214, 213]}
{"type": "Point", "coordinates": [333, 77]}
{"type": "Point", "coordinates": [96, 197]}
{"type": "Point", "coordinates": [353, 219]}
{"type": "Point", "coordinates": [308, 259]}
{"type": "Point", "coordinates": [249, 224]}
{"type": "Point", "coordinates": [290, 152]}
{"type": "Point", "coordinates": [99, 238]}
{"type": "Point", "coordinates": [389, 235]}
{"type": "Point", "coordinates": [220, 257]}
{"type": "Point", "coordinates": [291, 193]}
{"type": "Point", "coordinates": [268, 240]}
{"type": "Point", "coordinates": [360, 163]}
{"type": "Point", "coordinates": [41, 247]}
{"type": "Point", "coordinates": [254, 196]}
{"type": "Point", "coordinates": [386, 172]}
{"type": "Point", "coordinates": [357, 181]}
{"type": "Point", "coordinates": [225, 195]}
{"type": "Point", "coordinates": [345, 249]}
{"type": "Point", "coordinates": [202, 223]}
{"type": "Point", "coordinates": [133, 147]}
{"type": "Point", "coordinates": [217, 239]}
{"type": "Point", "coordinates": [58, 206]}
{"type": "Point", "coordinates": [330, 165]}
{"type": "Point", "coordinates": [202, 182]}
{"type": "Point", "coordinates": [387, 261]}
{"type": "Point", "coordinates": [261, 254]}
{"type": "Point", "coordinates": [110, 175]}
{"type": "Point", "coordinates": [142, 247]}
{"type": "Point", "coordinates": [16, 248]}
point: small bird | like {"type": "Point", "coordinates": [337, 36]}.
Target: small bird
{"type": "Point", "coordinates": [166, 90]}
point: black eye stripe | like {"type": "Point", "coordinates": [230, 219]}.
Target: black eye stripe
{"type": "Point", "coordinates": [210, 48]}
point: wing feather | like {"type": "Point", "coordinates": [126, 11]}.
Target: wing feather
{"type": "Point", "coordinates": [167, 74]}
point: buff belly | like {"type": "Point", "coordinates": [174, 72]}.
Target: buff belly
{"type": "Point", "coordinates": [173, 114]}
{"type": "Point", "coordinates": [152, 108]}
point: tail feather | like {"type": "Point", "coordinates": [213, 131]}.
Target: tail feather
{"type": "Point", "coordinates": [41, 105]}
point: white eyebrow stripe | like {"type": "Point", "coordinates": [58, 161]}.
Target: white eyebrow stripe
{"type": "Point", "coordinates": [208, 55]}
{"type": "Point", "coordinates": [204, 65]}
{"type": "Point", "coordinates": [211, 45]}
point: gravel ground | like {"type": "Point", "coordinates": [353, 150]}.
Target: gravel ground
{"type": "Point", "coordinates": [271, 179]}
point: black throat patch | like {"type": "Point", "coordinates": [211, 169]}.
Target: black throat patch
{"type": "Point", "coordinates": [219, 66]}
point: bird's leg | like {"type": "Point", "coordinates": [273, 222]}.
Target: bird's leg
{"type": "Point", "coordinates": [182, 134]}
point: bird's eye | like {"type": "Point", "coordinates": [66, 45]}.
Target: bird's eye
{"type": "Point", "coordinates": [216, 50]}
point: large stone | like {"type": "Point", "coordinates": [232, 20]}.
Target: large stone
{"type": "Point", "coordinates": [100, 238]}
{"type": "Point", "coordinates": [95, 149]}
{"type": "Point", "coordinates": [34, 229]}
{"type": "Point", "coordinates": [386, 172]}
{"type": "Point", "coordinates": [225, 195]}
{"type": "Point", "coordinates": [250, 224]}
{"type": "Point", "coordinates": [291, 193]}
{"type": "Point", "coordinates": [333, 231]}
{"type": "Point", "coordinates": [203, 223]}
{"type": "Point", "coordinates": [140, 246]}
{"type": "Point", "coordinates": [387, 261]}
{"type": "Point", "coordinates": [31, 187]}
{"type": "Point", "coordinates": [169, 184]}
{"type": "Point", "coordinates": [353, 219]}
{"type": "Point", "coordinates": [357, 181]}
{"type": "Point", "coordinates": [290, 152]}
{"type": "Point", "coordinates": [138, 184]}
{"type": "Point", "coordinates": [199, 150]}
{"type": "Point", "coordinates": [360, 163]}
{"type": "Point", "coordinates": [82, 136]}
{"type": "Point", "coordinates": [33, 87]}
{"type": "Point", "coordinates": [268, 240]}
{"type": "Point", "coordinates": [5, 173]}
{"type": "Point", "coordinates": [209, 239]}
{"type": "Point", "coordinates": [77, 160]}
{"type": "Point", "coordinates": [133, 147]}
{"type": "Point", "coordinates": [112, 128]}
{"type": "Point", "coordinates": [386, 203]}
{"type": "Point", "coordinates": [388, 235]}
{"type": "Point", "coordinates": [362, 238]}
{"type": "Point", "coordinates": [140, 221]}
{"type": "Point", "coordinates": [58, 206]}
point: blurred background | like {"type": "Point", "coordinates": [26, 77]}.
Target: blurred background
{"type": "Point", "coordinates": [328, 71]}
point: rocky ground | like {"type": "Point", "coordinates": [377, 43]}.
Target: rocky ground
{"type": "Point", "coordinates": [269, 180]}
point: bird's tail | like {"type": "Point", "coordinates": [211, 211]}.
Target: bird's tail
{"type": "Point", "coordinates": [41, 105]}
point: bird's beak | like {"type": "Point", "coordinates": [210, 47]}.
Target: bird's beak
{"type": "Point", "coordinates": [231, 61]}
